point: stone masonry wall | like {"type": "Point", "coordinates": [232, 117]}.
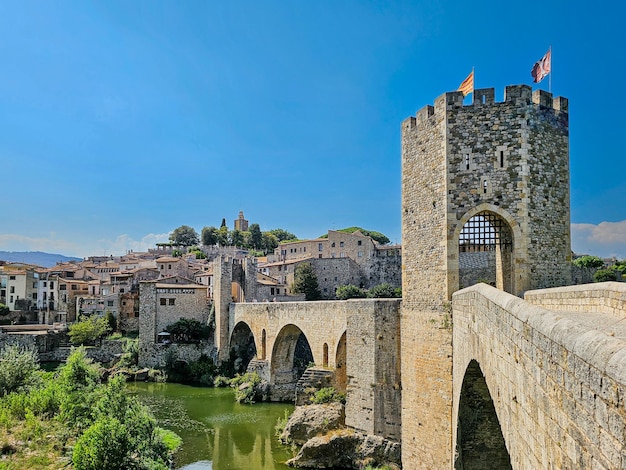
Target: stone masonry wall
{"type": "Point", "coordinates": [426, 346]}
{"type": "Point", "coordinates": [558, 387]}
{"type": "Point", "coordinates": [373, 368]}
{"type": "Point", "coordinates": [603, 297]}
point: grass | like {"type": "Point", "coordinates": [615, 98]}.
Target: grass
{"type": "Point", "coordinates": [36, 444]}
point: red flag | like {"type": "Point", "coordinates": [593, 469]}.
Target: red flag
{"type": "Point", "coordinates": [541, 68]}
{"type": "Point", "coordinates": [467, 86]}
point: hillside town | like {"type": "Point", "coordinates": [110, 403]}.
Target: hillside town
{"type": "Point", "coordinates": [63, 293]}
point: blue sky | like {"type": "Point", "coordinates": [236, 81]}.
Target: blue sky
{"type": "Point", "coordinates": [122, 120]}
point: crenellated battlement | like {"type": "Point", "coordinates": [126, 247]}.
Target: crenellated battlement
{"type": "Point", "coordinates": [522, 95]}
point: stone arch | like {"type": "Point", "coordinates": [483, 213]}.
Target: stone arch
{"type": "Point", "coordinates": [341, 375]}
{"type": "Point", "coordinates": [487, 240]}
{"type": "Point", "coordinates": [291, 355]}
{"type": "Point", "coordinates": [480, 444]}
{"type": "Point", "coordinates": [242, 346]}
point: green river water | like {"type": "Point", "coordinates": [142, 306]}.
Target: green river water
{"type": "Point", "coordinates": [217, 432]}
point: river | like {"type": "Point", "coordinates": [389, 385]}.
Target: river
{"type": "Point", "coordinates": [217, 432]}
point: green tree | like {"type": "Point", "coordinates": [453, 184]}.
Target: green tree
{"type": "Point", "coordinates": [197, 252]}
{"type": "Point", "coordinates": [604, 275]}
{"type": "Point", "coordinates": [349, 292]}
{"type": "Point", "coordinates": [588, 261]}
{"type": "Point", "coordinates": [185, 236]}
{"type": "Point", "coordinates": [88, 330]}
{"type": "Point", "coordinates": [305, 282]}
{"type": "Point", "coordinates": [222, 236]}
{"type": "Point", "coordinates": [256, 237]}
{"type": "Point", "coordinates": [18, 369]}
{"type": "Point", "coordinates": [269, 242]}
{"type": "Point", "coordinates": [236, 238]}
{"type": "Point", "coordinates": [188, 330]}
{"type": "Point", "coordinates": [282, 235]}
{"type": "Point", "coordinates": [111, 320]}
{"type": "Point", "coordinates": [209, 236]}
{"type": "Point", "coordinates": [384, 290]}
{"type": "Point", "coordinates": [4, 310]}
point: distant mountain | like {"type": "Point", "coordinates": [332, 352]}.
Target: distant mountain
{"type": "Point", "coordinates": [38, 258]}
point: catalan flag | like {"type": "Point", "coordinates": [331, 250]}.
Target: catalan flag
{"type": "Point", "coordinates": [542, 67]}
{"type": "Point", "coordinates": [467, 86]}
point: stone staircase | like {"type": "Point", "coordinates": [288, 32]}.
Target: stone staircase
{"type": "Point", "coordinates": [313, 379]}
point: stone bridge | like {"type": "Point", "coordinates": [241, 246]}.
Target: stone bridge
{"type": "Point", "coordinates": [358, 340]}
{"type": "Point", "coordinates": [540, 382]}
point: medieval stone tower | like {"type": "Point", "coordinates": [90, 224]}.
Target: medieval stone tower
{"type": "Point", "coordinates": [489, 181]}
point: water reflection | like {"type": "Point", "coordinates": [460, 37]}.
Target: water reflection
{"type": "Point", "coordinates": [217, 433]}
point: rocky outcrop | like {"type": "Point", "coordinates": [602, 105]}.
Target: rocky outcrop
{"type": "Point", "coordinates": [333, 450]}
{"type": "Point", "coordinates": [309, 421]}
{"type": "Point", "coordinates": [327, 443]}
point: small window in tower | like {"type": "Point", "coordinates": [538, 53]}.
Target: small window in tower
{"type": "Point", "coordinates": [484, 186]}
{"type": "Point", "coordinates": [467, 161]}
{"type": "Point", "coordinates": [501, 159]}
{"type": "Point", "coordinates": [172, 302]}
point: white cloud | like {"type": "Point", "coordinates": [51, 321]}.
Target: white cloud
{"type": "Point", "coordinates": [13, 242]}
{"type": "Point", "coordinates": [122, 244]}
{"type": "Point", "coordinates": [606, 239]}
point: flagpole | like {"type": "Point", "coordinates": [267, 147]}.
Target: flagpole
{"type": "Point", "coordinates": [550, 77]}
{"type": "Point", "coordinates": [473, 82]}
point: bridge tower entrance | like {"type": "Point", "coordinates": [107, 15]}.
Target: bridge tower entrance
{"type": "Point", "coordinates": [485, 197]}
{"type": "Point", "coordinates": [486, 252]}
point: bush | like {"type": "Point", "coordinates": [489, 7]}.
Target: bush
{"type": "Point", "coordinates": [328, 395]}
{"type": "Point", "coordinates": [4, 310]}
{"type": "Point", "coordinates": [188, 330]}
{"type": "Point", "coordinates": [202, 371]}
{"type": "Point", "coordinates": [130, 356]}
{"type": "Point", "coordinates": [18, 369]}
{"type": "Point", "coordinates": [604, 275]}
{"type": "Point", "coordinates": [89, 330]}
{"type": "Point", "coordinates": [245, 387]}
{"type": "Point", "coordinates": [588, 261]}
{"type": "Point", "coordinates": [350, 292]}
{"type": "Point", "coordinates": [384, 291]}
{"type": "Point", "coordinates": [111, 320]}
{"type": "Point", "coordinates": [105, 445]}
{"type": "Point", "coordinates": [221, 381]}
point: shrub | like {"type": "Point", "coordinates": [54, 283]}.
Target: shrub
{"type": "Point", "coordinates": [18, 369]}
{"type": "Point", "coordinates": [221, 381]}
{"type": "Point", "coordinates": [350, 292]}
{"type": "Point", "coordinates": [328, 395]}
{"type": "Point", "coordinates": [77, 383]}
{"type": "Point", "coordinates": [89, 330]}
{"type": "Point", "coordinates": [188, 330]}
{"type": "Point", "coordinates": [245, 387]}
{"type": "Point", "coordinates": [202, 371]}
{"type": "Point", "coordinates": [384, 291]}
{"type": "Point", "coordinates": [105, 445]}
{"type": "Point", "coordinates": [130, 356]}
{"type": "Point", "coordinates": [604, 275]}
{"type": "Point", "coordinates": [111, 320]}
{"type": "Point", "coordinates": [4, 310]}
{"type": "Point", "coordinates": [588, 261]}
